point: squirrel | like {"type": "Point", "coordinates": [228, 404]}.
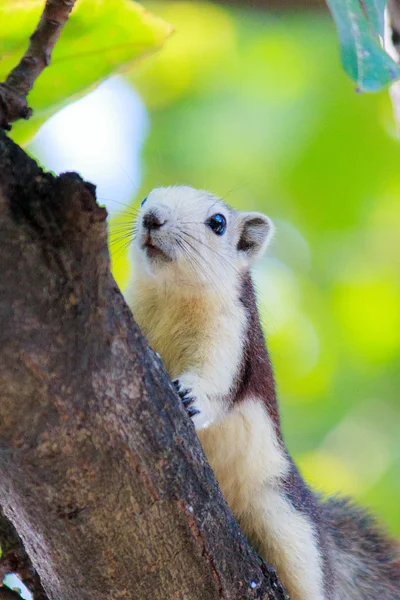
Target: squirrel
{"type": "Point", "coordinates": [193, 297]}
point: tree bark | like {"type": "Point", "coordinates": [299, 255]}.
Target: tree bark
{"type": "Point", "coordinates": [101, 472]}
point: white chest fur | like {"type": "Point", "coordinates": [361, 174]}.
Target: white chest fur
{"type": "Point", "coordinates": [199, 337]}
{"type": "Point", "coordinates": [191, 331]}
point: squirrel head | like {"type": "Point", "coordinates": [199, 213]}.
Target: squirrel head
{"type": "Point", "coordinates": [192, 236]}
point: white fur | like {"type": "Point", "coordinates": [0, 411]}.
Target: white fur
{"type": "Point", "coordinates": [245, 454]}
{"type": "Point", "coordinates": [289, 543]}
{"type": "Point", "coordinates": [249, 463]}
{"type": "Point", "coordinates": [187, 305]}
{"type": "Point", "coordinates": [199, 338]}
{"type": "Point", "coordinates": [212, 261]}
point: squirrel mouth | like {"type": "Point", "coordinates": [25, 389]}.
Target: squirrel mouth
{"type": "Point", "coordinates": [152, 250]}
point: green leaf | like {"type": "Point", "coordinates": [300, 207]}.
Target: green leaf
{"type": "Point", "coordinates": [360, 26]}
{"type": "Point", "coordinates": [375, 13]}
{"type": "Point", "coordinates": [100, 38]}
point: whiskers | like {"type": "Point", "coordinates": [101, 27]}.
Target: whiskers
{"type": "Point", "coordinates": [121, 236]}
{"type": "Point", "coordinates": [220, 255]}
{"type": "Point", "coordinates": [129, 210]}
{"type": "Point", "coordinates": [201, 264]}
{"type": "Point", "coordinates": [213, 267]}
{"type": "Point", "coordinates": [122, 229]}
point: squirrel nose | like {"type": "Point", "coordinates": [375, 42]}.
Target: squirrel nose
{"type": "Point", "coordinates": [152, 221]}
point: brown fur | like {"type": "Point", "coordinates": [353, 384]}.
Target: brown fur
{"type": "Point", "coordinates": [255, 378]}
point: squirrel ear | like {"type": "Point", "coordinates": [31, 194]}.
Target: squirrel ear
{"type": "Point", "coordinates": [255, 233]}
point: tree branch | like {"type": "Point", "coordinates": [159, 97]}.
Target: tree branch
{"type": "Point", "coordinates": [101, 471]}
{"type": "Point", "coordinates": [15, 89]}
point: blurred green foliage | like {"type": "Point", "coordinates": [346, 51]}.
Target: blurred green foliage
{"type": "Point", "coordinates": [255, 107]}
{"type": "Point", "coordinates": [100, 38]}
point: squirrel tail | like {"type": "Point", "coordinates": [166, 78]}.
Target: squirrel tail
{"type": "Point", "coordinates": [366, 560]}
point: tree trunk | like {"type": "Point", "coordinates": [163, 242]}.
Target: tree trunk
{"type": "Point", "coordinates": [101, 471]}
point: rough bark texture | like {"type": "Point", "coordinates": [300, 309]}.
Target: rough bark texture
{"type": "Point", "coordinates": [13, 92]}
{"type": "Point", "coordinates": [101, 471]}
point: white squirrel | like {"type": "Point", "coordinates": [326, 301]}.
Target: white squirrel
{"type": "Point", "coordinates": [193, 297]}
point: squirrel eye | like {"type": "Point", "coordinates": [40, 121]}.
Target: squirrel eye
{"type": "Point", "coordinates": [217, 223]}
{"type": "Point", "coordinates": [143, 201]}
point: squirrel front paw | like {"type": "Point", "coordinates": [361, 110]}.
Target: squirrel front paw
{"type": "Point", "coordinates": [187, 398]}
{"type": "Point", "coordinates": [195, 399]}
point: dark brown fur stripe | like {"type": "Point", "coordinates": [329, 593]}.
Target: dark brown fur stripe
{"type": "Point", "coordinates": [256, 378]}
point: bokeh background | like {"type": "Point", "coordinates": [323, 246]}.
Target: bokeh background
{"type": "Point", "coordinates": [252, 104]}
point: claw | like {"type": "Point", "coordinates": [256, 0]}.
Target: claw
{"type": "Point", "coordinates": [186, 400]}
{"type": "Point", "coordinates": [192, 412]}
{"type": "Point", "coordinates": [182, 392]}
